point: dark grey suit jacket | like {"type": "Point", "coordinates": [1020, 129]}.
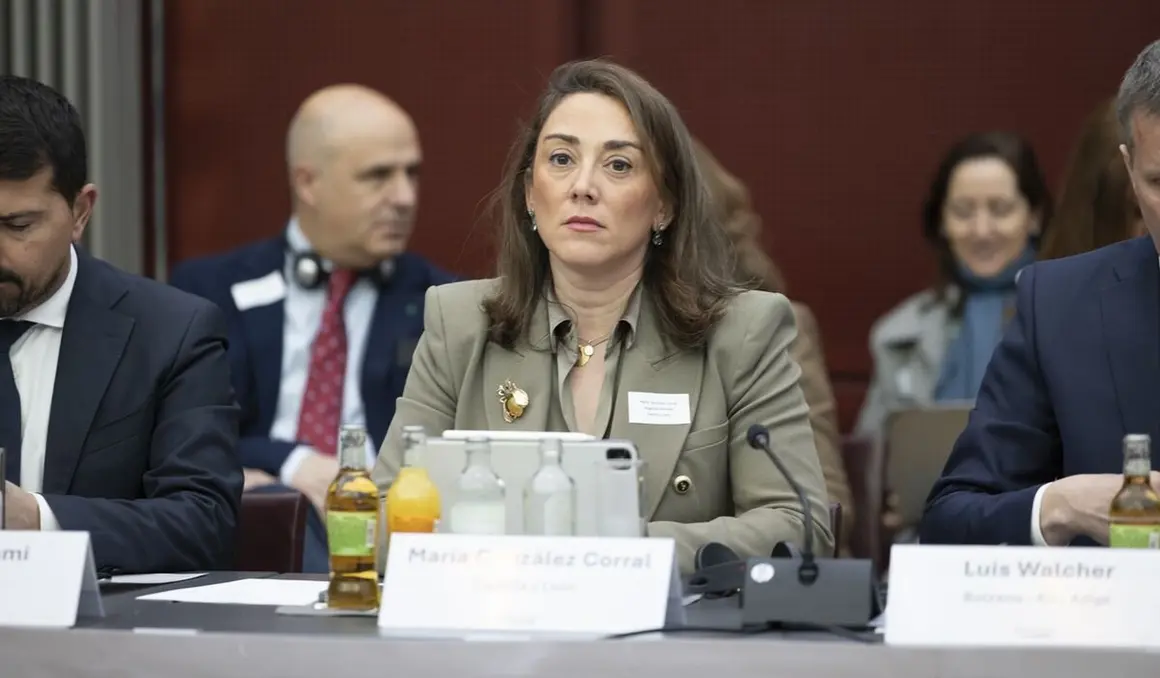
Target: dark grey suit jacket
{"type": "Point", "coordinates": [142, 437]}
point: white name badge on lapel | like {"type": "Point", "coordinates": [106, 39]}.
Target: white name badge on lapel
{"type": "Point", "coordinates": [263, 291]}
{"type": "Point", "coordinates": [1023, 596]}
{"type": "Point", "coordinates": [47, 579]}
{"type": "Point", "coordinates": [450, 585]}
{"type": "Point", "coordinates": [659, 409]}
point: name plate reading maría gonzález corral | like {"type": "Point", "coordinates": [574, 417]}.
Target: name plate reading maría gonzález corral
{"type": "Point", "coordinates": [446, 584]}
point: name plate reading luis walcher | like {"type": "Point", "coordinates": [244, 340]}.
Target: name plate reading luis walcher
{"type": "Point", "coordinates": [464, 585]}
{"type": "Point", "coordinates": [1021, 596]}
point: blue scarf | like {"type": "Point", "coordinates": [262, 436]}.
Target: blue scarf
{"type": "Point", "coordinates": [984, 311]}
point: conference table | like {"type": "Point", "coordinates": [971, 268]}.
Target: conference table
{"type": "Point", "coordinates": [187, 640]}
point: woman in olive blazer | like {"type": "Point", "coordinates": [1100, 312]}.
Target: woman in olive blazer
{"type": "Point", "coordinates": [607, 233]}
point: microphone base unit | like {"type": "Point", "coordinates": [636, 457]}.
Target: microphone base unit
{"type": "Point", "coordinates": [843, 594]}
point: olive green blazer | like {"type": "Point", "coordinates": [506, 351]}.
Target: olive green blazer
{"type": "Point", "coordinates": [744, 375]}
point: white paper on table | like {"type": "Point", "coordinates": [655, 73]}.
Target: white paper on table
{"type": "Point", "coordinates": [155, 579]}
{"type": "Point", "coordinates": [247, 592]}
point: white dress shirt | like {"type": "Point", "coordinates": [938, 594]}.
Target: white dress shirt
{"type": "Point", "coordinates": [1037, 529]}
{"type": "Point", "coordinates": [34, 356]}
{"type": "Point", "coordinates": [303, 318]}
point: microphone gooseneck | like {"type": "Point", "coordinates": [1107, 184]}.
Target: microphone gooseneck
{"type": "Point", "coordinates": [758, 439]}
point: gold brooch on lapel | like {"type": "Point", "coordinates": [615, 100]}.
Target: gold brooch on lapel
{"type": "Point", "coordinates": [514, 399]}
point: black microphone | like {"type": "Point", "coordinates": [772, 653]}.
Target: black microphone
{"type": "Point", "coordinates": [758, 438]}
{"type": "Point", "coordinates": [827, 592]}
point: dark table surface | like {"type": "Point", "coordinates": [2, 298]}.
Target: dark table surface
{"type": "Point", "coordinates": [143, 639]}
{"type": "Point", "coordinates": [123, 611]}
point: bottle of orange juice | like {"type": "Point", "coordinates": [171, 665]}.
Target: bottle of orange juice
{"type": "Point", "coordinates": [413, 501]}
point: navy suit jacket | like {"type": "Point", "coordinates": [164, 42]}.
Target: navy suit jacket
{"type": "Point", "coordinates": [256, 341]}
{"type": "Point", "coordinates": [1078, 368]}
{"type": "Point", "coordinates": [143, 431]}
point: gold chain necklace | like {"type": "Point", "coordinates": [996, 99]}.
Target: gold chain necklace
{"type": "Point", "coordinates": [586, 349]}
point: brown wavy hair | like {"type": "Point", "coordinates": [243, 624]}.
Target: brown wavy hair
{"type": "Point", "coordinates": [689, 278]}
{"type": "Point", "coordinates": [1097, 206]}
{"type": "Point", "coordinates": [741, 223]}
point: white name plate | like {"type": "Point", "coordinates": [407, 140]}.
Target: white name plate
{"type": "Point", "coordinates": [47, 579]}
{"type": "Point", "coordinates": [464, 585]}
{"type": "Point", "coordinates": [1023, 597]}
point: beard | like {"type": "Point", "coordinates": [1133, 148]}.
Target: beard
{"type": "Point", "coordinates": [18, 295]}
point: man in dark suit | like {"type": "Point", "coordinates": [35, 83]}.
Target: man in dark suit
{"type": "Point", "coordinates": [1078, 369]}
{"type": "Point", "coordinates": [116, 409]}
{"type": "Point", "coordinates": [324, 318]}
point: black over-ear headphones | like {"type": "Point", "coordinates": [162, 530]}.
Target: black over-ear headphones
{"type": "Point", "coordinates": [309, 271]}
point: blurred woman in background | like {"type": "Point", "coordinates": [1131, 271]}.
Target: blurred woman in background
{"type": "Point", "coordinates": [743, 225]}
{"type": "Point", "coordinates": [1098, 206]}
{"type": "Point", "coordinates": [986, 210]}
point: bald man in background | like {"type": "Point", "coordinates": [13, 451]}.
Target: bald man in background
{"type": "Point", "coordinates": [324, 317]}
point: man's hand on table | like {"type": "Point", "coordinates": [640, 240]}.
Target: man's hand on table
{"type": "Point", "coordinates": [21, 511]}
{"type": "Point", "coordinates": [1078, 506]}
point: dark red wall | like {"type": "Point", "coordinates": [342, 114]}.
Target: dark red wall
{"type": "Point", "coordinates": [833, 112]}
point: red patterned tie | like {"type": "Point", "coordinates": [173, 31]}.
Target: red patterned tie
{"type": "Point", "coordinates": [322, 404]}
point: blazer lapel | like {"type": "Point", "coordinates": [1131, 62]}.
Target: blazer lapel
{"type": "Point", "coordinates": [934, 327]}
{"type": "Point", "coordinates": [378, 359]}
{"type": "Point", "coordinates": [915, 344]}
{"type": "Point", "coordinates": [1131, 319]}
{"type": "Point", "coordinates": [92, 342]}
{"type": "Point", "coordinates": [650, 366]}
{"type": "Point", "coordinates": [263, 329]}
{"type": "Point", "coordinates": [528, 366]}
{"type": "Point", "coordinates": [396, 325]}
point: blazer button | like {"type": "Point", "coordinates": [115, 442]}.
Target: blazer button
{"type": "Point", "coordinates": [682, 484]}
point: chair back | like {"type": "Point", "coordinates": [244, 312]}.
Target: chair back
{"type": "Point", "coordinates": [271, 531]}
{"type": "Point", "coordinates": [874, 525]}
{"type": "Point", "coordinates": [836, 524]}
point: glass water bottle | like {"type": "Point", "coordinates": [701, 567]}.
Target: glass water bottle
{"type": "Point", "coordinates": [550, 496]}
{"type": "Point", "coordinates": [480, 505]}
